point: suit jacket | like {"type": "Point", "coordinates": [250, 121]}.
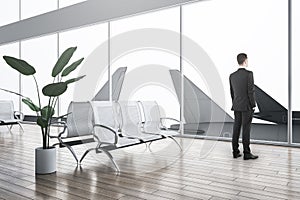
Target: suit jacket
{"type": "Point", "coordinates": [242, 90]}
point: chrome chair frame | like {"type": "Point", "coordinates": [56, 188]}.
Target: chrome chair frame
{"type": "Point", "coordinates": [11, 117]}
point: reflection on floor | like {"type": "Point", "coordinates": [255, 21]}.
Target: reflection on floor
{"type": "Point", "coordinates": [205, 170]}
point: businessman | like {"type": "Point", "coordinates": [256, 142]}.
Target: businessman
{"type": "Point", "coordinates": [243, 103]}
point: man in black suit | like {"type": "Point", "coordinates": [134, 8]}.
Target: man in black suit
{"type": "Point", "coordinates": [243, 103]}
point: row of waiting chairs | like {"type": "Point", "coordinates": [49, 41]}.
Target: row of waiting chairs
{"type": "Point", "coordinates": [8, 116]}
{"type": "Point", "coordinates": [114, 125]}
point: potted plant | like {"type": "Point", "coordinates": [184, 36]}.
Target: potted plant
{"type": "Point", "coordinates": [45, 156]}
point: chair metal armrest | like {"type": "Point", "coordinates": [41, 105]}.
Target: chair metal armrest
{"type": "Point", "coordinates": [172, 119]}
{"type": "Point", "coordinates": [59, 123]}
{"type": "Point", "coordinates": [62, 132]}
{"type": "Point", "coordinates": [21, 115]}
{"type": "Point", "coordinates": [111, 130]}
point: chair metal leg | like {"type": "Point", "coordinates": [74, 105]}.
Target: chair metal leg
{"type": "Point", "coordinates": [176, 142]}
{"type": "Point", "coordinates": [112, 160]}
{"type": "Point", "coordinates": [70, 149]}
{"type": "Point", "coordinates": [149, 147]}
{"type": "Point", "coordinates": [21, 126]}
{"type": "Point", "coordinates": [85, 153]}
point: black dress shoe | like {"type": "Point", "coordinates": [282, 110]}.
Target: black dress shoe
{"type": "Point", "coordinates": [249, 156]}
{"type": "Point", "coordinates": [236, 155]}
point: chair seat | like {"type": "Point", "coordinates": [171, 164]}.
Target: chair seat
{"type": "Point", "coordinates": [123, 141]}
{"type": "Point", "coordinates": [165, 133]}
{"type": "Point", "coordinates": [9, 121]}
{"type": "Point", "coordinates": [146, 137]}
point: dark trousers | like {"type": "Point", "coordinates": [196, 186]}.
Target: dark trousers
{"type": "Point", "coordinates": [242, 119]}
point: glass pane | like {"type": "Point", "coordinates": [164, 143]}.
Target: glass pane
{"type": "Point", "coordinates": [263, 37]}
{"type": "Point", "coordinates": [147, 47]}
{"type": "Point", "coordinates": [41, 53]}
{"type": "Point", "coordinates": [9, 78]}
{"type": "Point", "coordinates": [31, 8]}
{"type": "Point", "coordinates": [296, 71]}
{"type": "Point", "coordinates": [9, 12]}
{"type": "Point", "coordinates": [65, 3]}
{"type": "Point", "coordinates": [89, 45]}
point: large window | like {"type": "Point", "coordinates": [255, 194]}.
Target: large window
{"type": "Point", "coordinates": [296, 70]}
{"type": "Point", "coordinates": [9, 12]}
{"type": "Point", "coordinates": [31, 8]}
{"type": "Point", "coordinates": [9, 78]}
{"type": "Point", "coordinates": [148, 47]}
{"type": "Point", "coordinates": [256, 27]}
{"type": "Point", "coordinates": [87, 40]}
{"type": "Point", "coordinates": [65, 3]}
{"type": "Point", "coordinates": [41, 53]}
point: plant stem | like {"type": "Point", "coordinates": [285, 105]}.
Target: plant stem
{"type": "Point", "coordinates": [13, 92]}
{"type": "Point", "coordinates": [38, 92]}
{"type": "Point", "coordinates": [48, 117]}
{"type": "Point", "coordinates": [43, 136]}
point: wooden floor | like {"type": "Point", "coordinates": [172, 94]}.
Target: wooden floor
{"type": "Point", "coordinates": [205, 170]}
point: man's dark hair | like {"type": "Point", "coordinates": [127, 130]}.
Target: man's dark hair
{"type": "Point", "coordinates": [241, 58]}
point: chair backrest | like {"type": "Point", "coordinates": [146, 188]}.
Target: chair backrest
{"type": "Point", "coordinates": [130, 118]}
{"type": "Point", "coordinates": [6, 110]}
{"type": "Point", "coordinates": [152, 116]}
{"type": "Point", "coordinates": [80, 121]}
{"type": "Point", "coordinates": [105, 114]}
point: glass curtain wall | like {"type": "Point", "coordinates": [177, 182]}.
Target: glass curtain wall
{"type": "Point", "coordinates": [9, 78]}
{"type": "Point", "coordinates": [65, 3]}
{"type": "Point", "coordinates": [41, 53]}
{"type": "Point", "coordinates": [147, 47]}
{"type": "Point", "coordinates": [31, 8]}
{"type": "Point", "coordinates": [91, 43]}
{"type": "Point", "coordinates": [222, 29]}
{"type": "Point", "coordinates": [9, 12]}
{"type": "Point", "coordinates": [295, 71]}
{"type": "Point", "coordinates": [140, 46]}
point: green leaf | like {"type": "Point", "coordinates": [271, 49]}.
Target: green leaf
{"type": "Point", "coordinates": [31, 105]}
{"type": "Point", "coordinates": [72, 67]}
{"type": "Point", "coordinates": [20, 65]}
{"type": "Point", "coordinates": [42, 122]}
{"type": "Point", "coordinates": [11, 92]}
{"type": "Point", "coordinates": [74, 79]}
{"type": "Point", "coordinates": [55, 89]}
{"type": "Point", "coordinates": [63, 61]}
{"type": "Point", "coordinates": [47, 112]}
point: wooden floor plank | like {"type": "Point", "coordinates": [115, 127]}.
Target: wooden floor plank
{"type": "Point", "coordinates": [205, 170]}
